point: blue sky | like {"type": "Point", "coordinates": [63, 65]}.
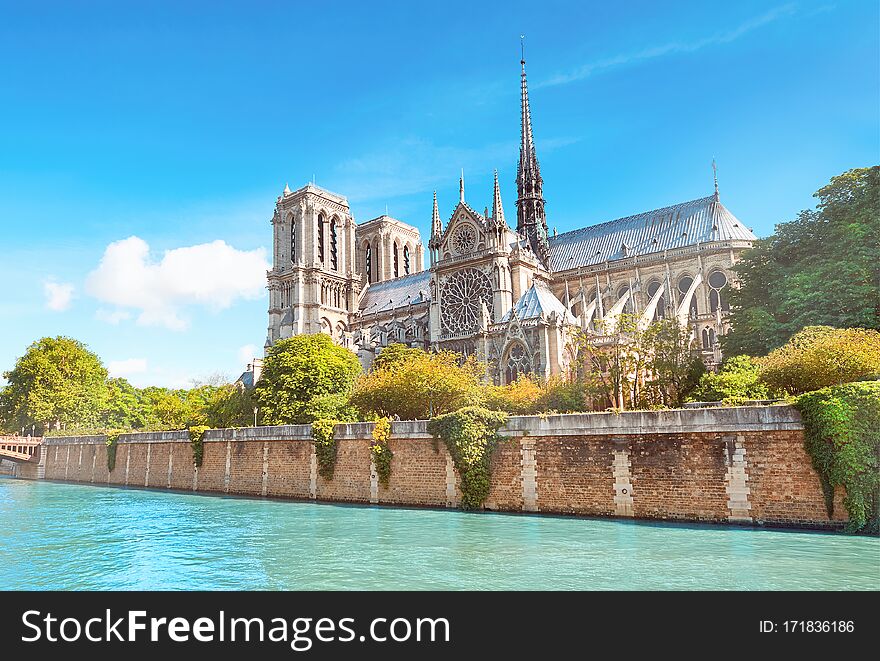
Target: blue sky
{"type": "Point", "coordinates": [142, 147]}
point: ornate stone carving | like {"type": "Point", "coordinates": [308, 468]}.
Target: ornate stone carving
{"type": "Point", "coordinates": [462, 295]}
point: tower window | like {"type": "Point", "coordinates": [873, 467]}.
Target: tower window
{"type": "Point", "coordinates": [368, 259]}
{"type": "Point", "coordinates": [396, 260]}
{"type": "Point", "coordinates": [334, 257]}
{"type": "Point", "coordinates": [406, 260]}
{"type": "Point", "coordinates": [292, 240]}
{"type": "Point", "coordinates": [321, 238]}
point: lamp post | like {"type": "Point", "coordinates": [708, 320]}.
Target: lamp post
{"type": "Point", "coordinates": [255, 415]}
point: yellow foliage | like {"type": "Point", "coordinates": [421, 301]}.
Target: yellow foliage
{"type": "Point", "coordinates": [821, 356]}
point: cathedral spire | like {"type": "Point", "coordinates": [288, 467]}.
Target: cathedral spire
{"type": "Point", "coordinates": [461, 187]}
{"type": "Point", "coordinates": [497, 208]}
{"type": "Point", "coordinates": [715, 174]}
{"type": "Point", "coordinates": [531, 220]}
{"type": "Point", "coordinates": [436, 226]}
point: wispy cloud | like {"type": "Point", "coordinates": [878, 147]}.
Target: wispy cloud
{"type": "Point", "coordinates": [670, 48]}
{"type": "Point", "coordinates": [58, 295]}
{"type": "Point", "coordinates": [413, 166]}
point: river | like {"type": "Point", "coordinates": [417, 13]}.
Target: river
{"type": "Point", "coordinates": [81, 537]}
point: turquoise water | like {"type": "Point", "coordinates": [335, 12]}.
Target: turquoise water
{"type": "Point", "coordinates": [67, 536]}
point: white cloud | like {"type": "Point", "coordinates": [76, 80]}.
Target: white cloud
{"type": "Point", "coordinates": [247, 353]}
{"type": "Point", "coordinates": [58, 295]}
{"type": "Point", "coordinates": [212, 275]}
{"type": "Point", "coordinates": [670, 48]}
{"type": "Point", "coordinates": [125, 368]}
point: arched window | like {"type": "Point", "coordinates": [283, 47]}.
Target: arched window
{"type": "Point", "coordinates": [628, 306]}
{"type": "Point", "coordinates": [517, 362]}
{"type": "Point", "coordinates": [684, 284]}
{"type": "Point", "coordinates": [368, 262]}
{"type": "Point", "coordinates": [717, 298]}
{"type": "Point", "coordinates": [396, 260]}
{"type": "Point", "coordinates": [660, 311]}
{"type": "Point", "coordinates": [334, 258]}
{"type": "Point", "coordinates": [293, 240]}
{"type": "Point", "coordinates": [406, 260]}
{"type": "Point", "coordinates": [321, 239]}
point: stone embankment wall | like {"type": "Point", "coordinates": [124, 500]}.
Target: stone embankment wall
{"type": "Point", "coordinates": [744, 464]}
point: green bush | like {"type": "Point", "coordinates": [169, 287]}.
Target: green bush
{"type": "Point", "coordinates": [380, 451]}
{"type": "Point", "coordinates": [842, 426]}
{"type": "Point", "coordinates": [738, 380]}
{"type": "Point", "coordinates": [196, 435]}
{"type": "Point", "coordinates": [470, 434]}
{"type": "Point", "coordinates": [325, 446]}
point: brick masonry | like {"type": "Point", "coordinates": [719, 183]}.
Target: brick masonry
{"type": "Point", "coordinates": [745, 465]}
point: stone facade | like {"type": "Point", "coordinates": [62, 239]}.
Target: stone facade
{"type": "Point", "coordinates": [513, 297]}
{"type": "Point", "coordinates": [743, 465]}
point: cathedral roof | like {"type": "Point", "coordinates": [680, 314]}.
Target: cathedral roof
{"type": "Point", "coordinates": [688, 223]}
{"type": "Point", "coordinates": [539, 302]}
{"type": "Point", "coordinates": [397, 293]}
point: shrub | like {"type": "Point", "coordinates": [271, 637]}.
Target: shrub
{"type": "Point", "coordinates": [843, 439]}
{"type": "Point", "coordinates": [470, 434]}
{"type": "Point", "coordinates": [522, 397]}
{"type": "Point", "coordinates": [737, 380]}
{"type": "Point", "coordinates": [821, 356]}
{"type": "Point", "coordinates": [420, 385]}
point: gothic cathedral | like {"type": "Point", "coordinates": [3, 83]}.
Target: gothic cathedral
{"type": "Point", "coordinates": [513, 297]}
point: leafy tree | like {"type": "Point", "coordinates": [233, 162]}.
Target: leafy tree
{"type": "Point", "coordinates": [300, 374]}
{"type": "Point", "coordinates": [393, 353]}
{"type": "Point", "coordinates": [671, 367]}
{"type": "Point", "coordinates": [821, 269]}
{"type": "Point", "coordinates": [125, 407]}
{"type": "Point", "coordinates": [420, 385]}
{"type": "Point", "coordinates": [611, 362]}
{"type": "Point", "coordinates": [230, 405]}
{"type": "Point", "coordinates": [57, 382]}
{"type": "Point", "coordinates": [739, 379]}
{"type": "Point", "coordinates": [819, 356]}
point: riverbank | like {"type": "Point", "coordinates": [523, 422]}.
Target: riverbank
{"type": "Point", "coordinates": [743, 465]}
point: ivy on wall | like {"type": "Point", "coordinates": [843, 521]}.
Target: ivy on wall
{"type": "Point", "coordinates": [196, 436]}
{"type": "Point", "coordinates": [842, 429]}
{"type": "Point", "coordinates": [325, 446]}
{"type": "Point", "coordinates": [470, 435]}
{"type": "Point", "coordinates": [380, 451]}
{"type": "Point", "coordinates": [112, 442]}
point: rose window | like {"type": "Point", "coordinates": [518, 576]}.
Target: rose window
{"type": "Point", "coordinates": [462, 296]}
{"type": "Point", "coordinates": [464, 240]}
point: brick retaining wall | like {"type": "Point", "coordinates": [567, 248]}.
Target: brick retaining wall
{"type": "Point", "coordinates": [743, 464]}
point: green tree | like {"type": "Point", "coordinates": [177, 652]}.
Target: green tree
{"type": "Point", "coordinates": [231, 405]}
{"type": "Point", "coordinates": [739, 379]}
{"type": "Point", "coordinates": [393, 353]}
{"type": "Point", "coordinates": [821, 269]}
{"type": "Point", "coordinates": [420, 385]}
{"type": "Point", "coordinates": [125, 407]}
{"type": "Point", "coordinates": [58, 382]}
{"type": "Point", "coordinates": [303, 378]}
{"type": "Point", "coordinates": [672, 369]}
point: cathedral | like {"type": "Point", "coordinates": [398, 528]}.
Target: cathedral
{"type": "Point", "coordinates": [514, 296]}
